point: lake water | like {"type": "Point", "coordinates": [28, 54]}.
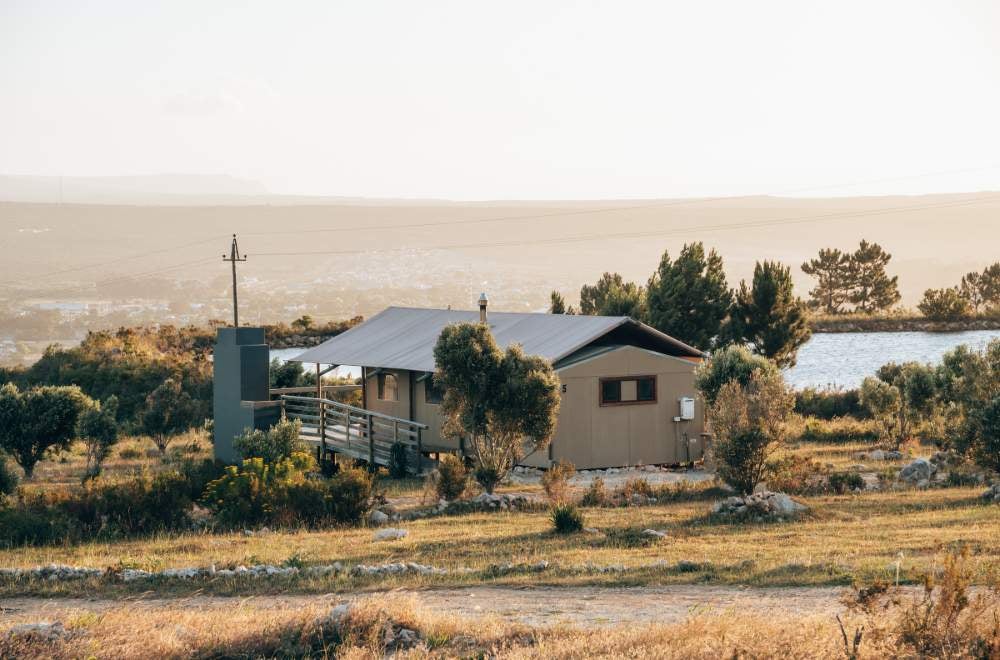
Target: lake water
{"type": "Point", "coordinates": [845, 359]}
{"type": "Point", "coordinates": [836, 359]}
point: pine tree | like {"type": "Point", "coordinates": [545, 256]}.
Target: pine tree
{"type": "Point", "coordinates": [557, 304]}
{"type": "Point", "coordinates": [689, 298]}
{"type": "Point", "coordinates": [990, 286]}
{"type": "Point", "coordinates": [768, 317]}
{"type": "Point", "coordinates": [612, 296]}
{"type": "Point", "coordinates": [971, 289]}
{"type": "Point", "coordinates": [832, 271]}
{"type": "Point", "coordinates": [872, 290]}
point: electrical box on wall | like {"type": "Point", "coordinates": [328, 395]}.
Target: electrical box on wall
{"type": "Point", "coordinates": [687, 407]}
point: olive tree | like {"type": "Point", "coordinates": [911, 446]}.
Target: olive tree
{"type": "Point", "coordinates": [731, 363]}
{"type": "Point", "coordinates": [503, 401]}
{"type": "Point", "coordinates": [38, 419]}
{"type": "Point", "coordinates": [748, 422]}
{"type": "Point", "coordinates": [169, 410]}
{"type": "Point", "coordinates": [98, 428]}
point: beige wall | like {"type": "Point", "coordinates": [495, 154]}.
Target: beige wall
{"type": "Point", "coordinates": [590, 435]}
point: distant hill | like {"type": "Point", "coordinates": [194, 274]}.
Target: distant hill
{"type": "Point", "coordinates": [152, 189]}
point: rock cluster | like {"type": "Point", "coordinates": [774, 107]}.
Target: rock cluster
{"type": "Point", "coordinates": [918, 473]}
{"type": "Point", "coordinates": [992, 494]}
{"type": "Point", "coordinates": [44, 630]}
{"type": "Point", "coordinates": [52, 572]}
{"type": "Point", "coordinates": [398, 568]}
{"type": "Point", "coordinates": [762, 505]}
{"type": "Point", "coordinates": [878, 455]}
{"type": "Point", "coordinates": [655, 533]}
{"type": "Point", "coordinates": [395, 637]}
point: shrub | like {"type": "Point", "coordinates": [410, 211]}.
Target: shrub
{"type": "Point", "coordinates": [36, 420]}
{"type": "Point", "coordinates": [985, 424]}
{"type": "Point", "coordinates": [846, 482]}
{"type": "Point", "coordinates": [733, 363]}
{"type": "Point", "coordinates": [251, 493]}
{"type": "Point", "coordinates": [555, 481]}
{"type": "Point", "coordinates": [830, 403]}
{"type": "Point", "coordinates": [796, 475]}
{"type": "Point", "coordinates": [350, 493]}
{"type": "Point", "coordinates": [97, 426]}
{"type": "Point", "coordinates": [488, 477]}
{"type": "Point", "coordinates": [839, 429]}
{"type": "Point", "coordinates": [944, 305]}
{"type": "Point", "coordinates": [273, 445]}
{"type": "Point", "coordinates": [452, 477]}
{"type": "Point", "coordinates": [136, 506]}
{"type": "Point", "coordinates": [130, 453]}
{"type": "Point", "coordinates": [596, 495]}
{"type": "Point", "coordinates": [399, 463]}
{"type": "Point", "coordinates": [566, 519]}
{"type": "Point", "coordinates": [749, 422]}
{"type": "Point", "coordinates": [8, 477]}
{"type": "Point", "coordinates": [168, 411]}
{"type": "Point", "coordinates": [32, 526]}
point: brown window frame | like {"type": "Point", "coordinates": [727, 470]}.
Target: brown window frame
{"type": "Point", "coordinates": [380, 382]}
{"type": "Point", "coordinates": [600, 390]}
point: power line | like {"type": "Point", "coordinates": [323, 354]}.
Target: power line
{"type": "Point", "coordinates": [644, 234]}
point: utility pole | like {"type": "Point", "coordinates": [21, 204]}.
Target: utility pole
{"type": "Point", "coordinates": [234, 256]}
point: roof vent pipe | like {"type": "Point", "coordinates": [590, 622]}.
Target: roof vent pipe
{"type": "Point", "coordinates": [483, 301]}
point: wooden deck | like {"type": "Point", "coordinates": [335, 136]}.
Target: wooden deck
{"type": "Point", "coordinates": [355, 432]}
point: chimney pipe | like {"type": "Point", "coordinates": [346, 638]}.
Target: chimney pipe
{"type": "Point", "coordinates": [483, 301]}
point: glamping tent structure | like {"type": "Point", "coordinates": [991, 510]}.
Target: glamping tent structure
{"type": "Point", "coordinates": [627, 390]}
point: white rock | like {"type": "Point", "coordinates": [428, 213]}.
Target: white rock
{"type": "Point", "coordinates": [654, 532]}
{"type": "Point", "coordinates": [390, 534]}
{"type": "Point", "coordinates": [377, 517]}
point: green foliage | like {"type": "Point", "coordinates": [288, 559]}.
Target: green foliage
{"type": "Point", "coordinates": [846, 482]}
{"type": "Point", "coordinates": [884, 401]}
{"type": "Point", "coordinates": [985, 430]}
{"type": "Point", "coordinates": [839, 430]}
{"type": "Point", "coordinates": [38, 419]}
{"type": "Point", "coordinates": [982, 290]}
{"type": "Point", "coordinates": [505, 401]}
{"type": "Point", "coordinates": [749, 422]}
{"type": "Point", "coordinates": [272, 445]}
{"type": "Point", "coordinates": [97, 426]}
{"type": "Point", "coordinates": [901, 397]}
{"type": "Point", "coordinates": [487, 477]}
{"type": "Point", "coordinates": [399, 461]}
{"type": "Point", "coordinates": [130, 363]}
{"type": "Point", "coordinates": [169, 410]}
{"type": "Point", "coordinates": [768, 316]}
{"type": "Point", "coordinates": [279, 333]}
{"type": "Point", "coordinates": [289, 374]}
{"type": "Point", "coordinates": [689, 298]}
{"type": "Point", "coordinates": [566, 519]}
{"type": "Point", "coordinates": [251, 493]}
{"type": "Point", "coordinates": [872, 289]}
{"type": "Point", "coordinates": [729, 364]}
{"type": "Point", "coordinates": [612, 296]}
{"type": "Point", "coordinates": [832, 270]}
{"type": "Point", "coordinates": [829, 403]}
{"type": "Point", "coordinates": [557, 304]}
{"type": "Point", "coordinates": [8, 477]}
{"type": "Point", "coordinates": [452, 477]}
{"type": "Point", "coordinates": [944, 304]}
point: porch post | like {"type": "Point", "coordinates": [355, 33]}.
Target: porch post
{"type": "Point", "coordinates": [322, 415]}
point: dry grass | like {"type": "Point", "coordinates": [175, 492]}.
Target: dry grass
{"type": "Point", "coordinates": [259, 628]}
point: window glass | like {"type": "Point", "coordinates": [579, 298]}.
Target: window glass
{"type": "Point", "coordinates": [432, 393]}
{"type": "Point", "coordinates": [611, 391]}
{"type": "Point", "coordinates": [387, 388]}
{"type": "Point", "coordinates": [646, 389]}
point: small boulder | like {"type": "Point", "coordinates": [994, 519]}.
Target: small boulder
{"type": "Point", "coordinates": [389, 534]}
{"type": "Point", "coordinates": [992, 494]}
{"type": "Point", "coordinates": [377, 517]}
{"type": "Point", "coordinates": [654, 533]}
{"type": "Point", "coordinates": [920, 470]}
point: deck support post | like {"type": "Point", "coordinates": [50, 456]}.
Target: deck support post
{"type": "Point", "coordinates": [420, 452]}
{"type": "Point", "coordinates": [371, 443]}
{"type": "Point", "coordinates": [322, 416]}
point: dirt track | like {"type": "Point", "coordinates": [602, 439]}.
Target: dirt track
{"type": "Point", "coordinates": [584, 606]}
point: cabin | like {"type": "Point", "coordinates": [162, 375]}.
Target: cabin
{"type": "Point", "coordinates": [627, 390]}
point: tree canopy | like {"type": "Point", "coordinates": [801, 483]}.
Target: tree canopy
{"type": "Point", "coordinates": [872, 289]}
{"type": "Point", "coordinates": [505, 402]}
{"type": "Point", "coordinates": [612, 296]}
{"type": "Point", "coordinates": [832, 270]}
{"type": "Point", "coordinates": [768, 316]}
{"type": "Point", "coordinates": [688, 298]}
{"type": "Point", "coordinates": [35, 420]}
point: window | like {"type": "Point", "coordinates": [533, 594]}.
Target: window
{"type": "Point", "coordinates": [387, 387]}
{"type": "Point", "coordinates": [628, 390]}
{"type": "Point", "coordinates": [432, 393]}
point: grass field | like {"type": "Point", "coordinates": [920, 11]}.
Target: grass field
{"type": "Point", "coordinates": [842, 539]}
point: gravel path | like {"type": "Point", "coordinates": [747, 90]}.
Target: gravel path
{"type": "Point", "coordinates": [537, 606]}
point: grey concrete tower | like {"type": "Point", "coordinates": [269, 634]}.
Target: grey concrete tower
{"type": "Point", "coordinates": [240, 377]}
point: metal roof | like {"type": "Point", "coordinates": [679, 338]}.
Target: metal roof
{"type": "Point", "coordinates": [404, 337]}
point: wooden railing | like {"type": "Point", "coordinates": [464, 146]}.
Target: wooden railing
{"type": "Point", "coordinates": [310, 390]}
{"type": "Point", "coordinates": [355, 432]}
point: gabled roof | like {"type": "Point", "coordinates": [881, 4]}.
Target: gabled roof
{"type": "Point", "coordinates": [404, 337]}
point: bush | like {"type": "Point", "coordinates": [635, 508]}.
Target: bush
{"type": "Point", "coordinates": [796, 475]}
{"type": "Point", "coordinates": [487, 477]}
{"type": "Point", "coordinates": [8, 477]}
{"type": "Point", "coordinates": [733, 363]}
{"type": "Point", "coordinates": [566, 519]}
{"type": "Point", "coordinates": [596, 495]}
{"type": "Point", "coordinates": [399, 463]}
{"type": "Point", "coordinates": [452, 477]}
{"type": "Point", "coordinates": [350, 493]}
{"type": "Point", "coordinates": [944, 305]}
{"type": "Point", "coordinates": [273, 445]}
{"type": "Point", "coordinates": [830, 403]}
{"type": "Point", "coordinates": [555, 481]}
{"type": "Point", "coordinates": [839, 429]}
{"type": "Point", "coordinates": [253, 492]}
{"type": "Point", "coordinates": [741, 459]}
{"type": "Point", "coordinates": [985, 424]}
{"type": "Point", "coordinates": [846, 482]}
{"type": "Point", "coordinates": [32, 526]}
{"type": "Point", "coordinates": [136, 506]}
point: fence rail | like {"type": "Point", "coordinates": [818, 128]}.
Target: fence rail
{"type": "Point", "coordinates": [356, 432]}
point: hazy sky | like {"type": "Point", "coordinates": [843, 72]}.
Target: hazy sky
{"type": "Point", "coordinates": [537, 99]}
